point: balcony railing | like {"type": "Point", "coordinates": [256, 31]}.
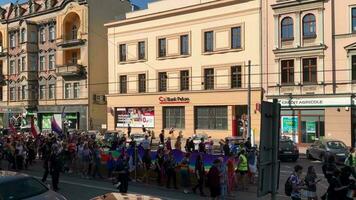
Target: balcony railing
{"type": "Point", "coordinates": [71, 69]}
{"type": "Point", "coordinates": [71, 43]}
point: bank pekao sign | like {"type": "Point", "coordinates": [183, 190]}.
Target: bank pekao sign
{"type": "Point", "coordinates": [315, 102]}
{"type": "Point", "coordinates": [173, 100]}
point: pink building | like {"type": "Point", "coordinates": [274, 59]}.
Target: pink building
{"type": "Point", "coordinates": [310, 66]}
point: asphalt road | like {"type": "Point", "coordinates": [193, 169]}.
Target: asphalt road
{"type": "Point", "coordinates": [75, 188]}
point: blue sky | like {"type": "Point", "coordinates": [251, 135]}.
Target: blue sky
{"type": "Point", "coordinates": [141, 3]}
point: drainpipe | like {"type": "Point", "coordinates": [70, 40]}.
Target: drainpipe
{"type": "Point", "coordinates": [333, 45]}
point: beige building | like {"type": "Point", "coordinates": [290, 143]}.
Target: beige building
{"type": "Point", "coordinates": [54, 61]}
{"type": "Point", "coordinates": [183, 65]}
{"type": "Point", "coordinates": [309, 64]}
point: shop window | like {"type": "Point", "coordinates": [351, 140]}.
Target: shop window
{"type": "Point", "coordinates": [211, 118]}
{"type": "Point", "coordinates": [309, 23]}
{"type": "Point", "coordinates": [309, 70]}
{"type": "Point", "coordinates": [287, 69]}
{"type": "Point", "coordinates": [287, 29]}
{"type": "Point", "coordinates": [209, 41]}
{"type": "Point", "coordinates": [174, 117]}
{"type": "Point", "coordinates": [141, 51]}
{"type": "Point", "coordinates": [353, 66]}
{"type": "Point", "coordinates": [184, 80]}
{"type": "Point", "coordinates": [122, 52]}
{"type": "Point", "coordinates": [209, 79]}
{"type": "Point", "coordinates": [184, 45]}
{"type": "Point", "coordinates": [236, 77]}
{"type": "Point", "coordinates": [141, 83]}
{"type": "Point", "coordinates": [162, 47]}
{"type": "Point", "coordinates": [162, 81]}
{"type": "Point", "coordinates": [236, 38]}
{"type": "Point", "coordinates": [123, 84]}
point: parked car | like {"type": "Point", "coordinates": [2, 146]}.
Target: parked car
{"type": "Point", "coordinates": [288, 150]}
{"type": "Point", "coordinates": [137, 137]}
{"type": "Point", "coordinates": [321, 149]}
{"type": "Point", "coordinates": [197, 139]}
{"type": "Point", "coordinates": [16, 186]}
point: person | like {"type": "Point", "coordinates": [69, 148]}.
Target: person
{"type": "Point", "coordinates": [351, 161]}
{"type": "Point", "coordinates": [346, 183]}
{"type": "Point", "coordinates": [297, 183]}
{"type": "Point", "coordinates": [129, 130]}
{"type": "Point", "coordinates": [178, 143]}
{"type": "Point", "coordinates": [86, 159]}
{"type": "Point", "coordinates": [214, 180]}
{"type": "Point", "coordinates": [146, 143]}
{"type": "Point", "coordinates": [231, 173]}
{"type": "Point", "coordinates": [333, 191]}
{"type": "Point", "coordinates": [160, 167]}
{"type": "Point", "coordinates": [123, 173]}
{"type": "Point", "coordinates": [223, 179]}
{"type": "Point", "coordinates": [226, 147]}
{"type": "Point", "coordinates": [252, 164]}
{"type": "Point", "coordinates": [184, 173]}
{"type": "Point", "coordinates": [202, 146]}
{"type": "Point", "coordinates": [147, 161]}
{"type": "Point", "coordinates": [55, 166]}
{"type": "Point", "coordinates": [329, 168]}
{"type": "Point", "coordinates": [187, 147]}
{"type": "Point", "coordinates": [311, 182]}
{"type": "Point", "coordinates": [242, 168]}
{"type": "Point", "coordinates": [110, 165]}
{"type": "Point", "coordinates": [46, 155]}
{"type": "Point", "coordinates": [199, 174]}
{"type": "Point", "coordinates": [96, 161]}
{"type": "Point", "coordinates": [143, 129]}
{"type": "Point", "coordinates": [161, 137]}
{"type": "Point", "coordinates": [170, 169]}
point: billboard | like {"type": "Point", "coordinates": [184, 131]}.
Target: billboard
{"type": "Point", "coordinates": [135, 116]}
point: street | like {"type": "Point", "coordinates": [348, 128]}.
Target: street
{"type": "Point", "coordinates": [75, 188]}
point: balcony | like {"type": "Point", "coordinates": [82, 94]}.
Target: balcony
{"type": "Point", "coordinates": [71, 43]}
{"type": "Point", "coordinates": [71, 70]}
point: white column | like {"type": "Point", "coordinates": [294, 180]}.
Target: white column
{"type": "Point", "coordinates": [297, 29]}
{"type": "Point", "coordinates": [276, 31]}
{"type": "Point", "coordinates": [320, 29]}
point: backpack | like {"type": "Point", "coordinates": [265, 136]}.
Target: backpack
{"type": "Point", "coordinates": [288, 187]}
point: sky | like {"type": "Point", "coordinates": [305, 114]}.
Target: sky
{"type": "Point", "coordinates": [141, 3]}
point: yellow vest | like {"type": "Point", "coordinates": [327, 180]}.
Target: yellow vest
{"type": "Point", "coordinates": [243, 163]}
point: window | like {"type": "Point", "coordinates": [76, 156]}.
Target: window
{"type": "Point", "coordinates": [209, 79]}
{"type": "Point", "coordinates": [12, 67]}
{"type": "Point", "coordinates": [74, 32]}
{"type": "Point", "coordinates": [51, 91]}
{"type": "Point", "coordinates": [184, 80]}
{"type": "Point", "coordinates": [12, 94]}
{"type": "Point", "coordinates": [52, 33]}
{"type": "Point", "coordinates": [68, 90]}
{"type": "Point", "coordinates": [122, 50]}
{"type": "Point", "coordinates": [24, 92]}
{"type": "Point", "coordinates": [353, 13]}
{"type": "Point", "coordinates": [142, 83]}
{"type": "Point", "coordinates": [76, 93]}
{"type": "Point", "coordinates": [74, 58]}
{"type": "Point", "coordinates": [23, 63]}
{"type": "Point", "coordinates": [52, 62]}
{"type": "Point", "coordinates": [42, 35]}
{"type": "Point", "coordinates": [208, 41]}
{"type": "Point", "coordinates": [33, 62]}
{"type": "Point", "coordinates": [236, 38]}
{"type": "Point", "coordinates": [141, 51]}
{"type": "Point", "coordinates": [309, 26]}
{"type": "Point", "coordinates": [162, 81]}
{"type": "Point", "coordinates": [18, 93]}
{"type": "Point", "coordinates": [123, 84]}
{"type": "Point", "coordinates": [184, 45]}
{"type": "Point", "coordinates": [287, 69]}
{"type": "Point", "coordinates": [42, 91]}
{"type": "Point", "coordinates": [42, 63]}
{"type": "Point", "coordinates": [19, 66]}
{"type": "Point", "coordinates": [353, 60]}
{"type": "Point", "coordinates": [287, 29]}
{"type": "Point", "coordinates": [174, 117]}
{"type": "Point", "coordinates": [211, 118]}
{"type": "Point", "coordinates": [236, 77]}
{"type": "Point", "coordinates": [12, 40]}
{"type": "Point", "coordinates": [23, 35]}
{"type": "Point", "coordinates": [309, 70]}
{"type": "Point", "coordinates": [162, 47]}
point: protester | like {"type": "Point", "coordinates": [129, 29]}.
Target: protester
{"type": "Point", "coordinates": [329, 168]}
{"type": "Point", "coordinates": [202, 148]}
{"type": "Point", "coordinates": [214, 180]}
{"type": "Point", "coordinates": [223, 179]}
{"type": "Point", "coordinates": [146, 143]}
{"type": "Point", "coordinates": [242, 168]}
{"type": "Point", "coordinates": [129, 130]}
{"type": "Point", "coordinates": [184, 173]}
{"type": "Point", "coordinates": [123, 173]}
{"type": "Point", "coordinates": [147, 161]}
{"type": "Point", "coordinates": [226, 147]}
{"type": "Point", "coordinates": [161, 137]}
{"type": "Point", "coordinates": [169, 144]}
{"type": "Point", "coordinates": [297, 183]}
{"type": "Point", "coordinates": [96, 160]}
{"type": "Point", "coordinates": [55, 166]}
{"type": "Point", "coordinates": [200, 174]}
{"type": "Point", "coordinates": [170, 165]}
{"type": "Point", "coordinates": [231, 173]}
{"type": "Point", "coordinates": [351, 161]}
{"type": "Point", "coordinates": [311, 182]}
{"type": "Point", "coordinates": [252, 165]}
{"type": "Point", "coordinates": [160, 167]}
{"type": "Point", "coordinates": [178, 143]}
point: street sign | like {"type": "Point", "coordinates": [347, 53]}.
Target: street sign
{"type": "Point", "coordinates": [269, 144]}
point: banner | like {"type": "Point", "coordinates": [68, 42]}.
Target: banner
{"type": "Point", "coordinates": [289, 124]}
{"type": "Point", "coordinates": [135, 117]}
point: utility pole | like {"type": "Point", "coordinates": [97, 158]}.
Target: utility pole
{"type": "Point", "coordinates": [249, 102]}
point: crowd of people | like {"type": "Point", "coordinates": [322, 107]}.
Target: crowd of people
{"type": "Point", "coordinates": [81, 154]}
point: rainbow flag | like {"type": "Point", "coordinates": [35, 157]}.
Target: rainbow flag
{"type": "Point", "coordinates": [55, 127]}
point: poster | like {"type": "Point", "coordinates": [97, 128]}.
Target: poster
{"type": "Point", "coordinates": [289, 124]}
{"type": "Point", "coordinates": [311, 127]}
{"type": "Point", "coordinates": [136, 117]}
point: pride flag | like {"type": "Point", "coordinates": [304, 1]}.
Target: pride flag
{"type": "Point", "coordinates": [55, 127]}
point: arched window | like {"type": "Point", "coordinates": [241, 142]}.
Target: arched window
{"type": "Point", "coordinates": [74, 32]}
{"type": "Point", "coordinates": [309, 26]}
{"type": "Point", "coordinates": [287, 28]}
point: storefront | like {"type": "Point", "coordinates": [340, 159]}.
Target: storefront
{"type": "Point", "coordinates": [307, 119]}
{"type": "Point", "coordinates": [195, 112]}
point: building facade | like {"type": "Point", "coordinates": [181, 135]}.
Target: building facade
{"type": "Point", "coordinates": [309, 67]}
{"type": "Point", "coordinates": [183, 65]}
{"type": "Point", "coordinates": [48, 69]}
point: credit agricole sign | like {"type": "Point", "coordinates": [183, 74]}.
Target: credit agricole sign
{"type": "Point", "coordinates": [173, 100]}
